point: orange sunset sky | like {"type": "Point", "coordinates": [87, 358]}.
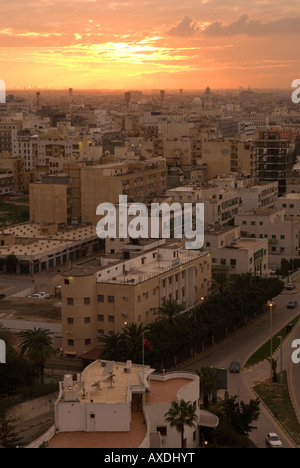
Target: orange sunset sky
{"type": "Point", "coordinates": [144, 44]}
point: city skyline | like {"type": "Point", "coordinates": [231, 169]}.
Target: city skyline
{"type": "Point", "coordinates": [92, 44]}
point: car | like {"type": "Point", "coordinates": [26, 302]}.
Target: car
{"type": "Point", "coordinates": [290, 286]}
{"type": "Point", "coordinates": [235, 367]}
{"type": "Point", "coordinates": [2, 296]}
{"type": "Point", "coordinates": [292, 305]}
{"type": "Point", "coordinates": [273, 271]}
{"type": "Point", "coordinates": [44, 295]}
{"type": "Point", "coordinates": [35, 296]}
{"type": "Point", "coordinates": [273, 441]}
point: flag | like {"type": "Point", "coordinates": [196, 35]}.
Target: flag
{"type": "Point", "coordinates": [147, 344]}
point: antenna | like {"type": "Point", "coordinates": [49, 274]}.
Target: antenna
{"type": "Point", "coordinates": [109, 368]}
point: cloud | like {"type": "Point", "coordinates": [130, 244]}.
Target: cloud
{"type": "Point", "coordinates": [246, 26]}
{"type": "Point", "coordinates": [186, 28]}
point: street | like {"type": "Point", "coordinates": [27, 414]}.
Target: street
{"type": "Point", "coordinates": [241, 346]}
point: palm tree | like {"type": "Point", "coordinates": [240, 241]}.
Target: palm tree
{"type": "Point", "coordinates": [113, 349]}
{"type": "Point", "coordinates": [208, 383]}
{"type": "Point", "coordinates": [169, 310]}
{"type": "Point", "coordinates": [180, 415]}
{"type": "Point", "coordinates": [132, 335]}
{"type": "Point", "coordinates": [37, 345]}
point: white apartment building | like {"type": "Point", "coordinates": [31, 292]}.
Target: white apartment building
{"type": "Point", "coordinates": [235, 255]}
{"type": "Point", "coordinates": [290, 203]}
{"type": "Point", "coordinates": [259, 196]}
{"type": "Point", "coordinates": [281, 234]}
{"type": "Point", "coordinates": [220, 204]}
{"type": "Point", "coordinates": [121, 404]}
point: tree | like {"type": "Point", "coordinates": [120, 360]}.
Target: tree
{"type": "Point", "coordinates": [37, 345]}
{"type": "Point", "coordinates": [113, 347]}
{"type": "Point", "coordinates": [180, 415]}
{"type": "Point", "coordinates": [132, 336]}
{"type": "Point", "coordinates": [169, 310]}
{"type": "Point", "coordinates": [240, 415]}
{"type": "Point", "coordinates": [208, 383]}
{"type": "Point", "coordinates": [8, 437]}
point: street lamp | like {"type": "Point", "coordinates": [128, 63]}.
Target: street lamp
{"type": "Point", "coordinates": [271, 306]}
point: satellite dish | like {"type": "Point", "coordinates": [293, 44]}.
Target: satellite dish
{"type": "Point", "coordinates": [109, 368]}
{"type": "Point", "coordinates": [97, 384]}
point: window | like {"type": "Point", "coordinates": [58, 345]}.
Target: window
{"type": "Point", "coordinates": [87, 341]}
{"type": "Point", "coordinates": [100, 298]}
{"type": "Point", "coordinates": [87, 320]}
{"type": "Point", "coordinates": [111, 299]}
{"type": "Point", "coordinates": [139, 299]}
{"type": "Point", "coordinates": [162, 429]}
{"type": "Point", "coordinates": [67, 281]}
{"type": "Point", "coordinates": [101, 318]}
{"type": "Point", "coordinates": [282, 237]}
{"type": "Point", "coordinates": [70, 320]}
{"type": "Point", "coordinates": [87, 300]}
{"type": "Point", "coordinates": [100, 332]}
{"type": "Point", "coordinates": [233, 262]}
{"type": "Point", "coordinates": [111, 318]}
{"type": "Point", "coordinates": [70, 342]}
{"type": "Point", "coordinates": [70, 301]}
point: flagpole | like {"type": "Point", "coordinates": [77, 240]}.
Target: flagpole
{"type": "Point", "coordinates": [143, 353]}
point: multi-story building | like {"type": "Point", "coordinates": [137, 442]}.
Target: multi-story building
{"type": "Point", "coordinates": [51, 200]}
{"type": "Point", "coordinates": [282, 235]}
{"type": "Point", "coordinates": [6, 182]}
{"type": "Point", "coordinates": [225, 157]}
{"type": "Point", "coordinates": [100, 297]}
{"type": "Point", "coordinates": [274, 158]}
{"type": "Point", "coordinates": [235, 255]}
{"type": "Point", "coordinates": [290, 203]}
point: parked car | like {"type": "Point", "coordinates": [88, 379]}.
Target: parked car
{"type": "Point", "coordinates": [290, 286]}
{"type": "Point", "coordinates": [273, 441]}
{"type": "Point", "coordinates": [292, 305]}
{"type": "Point", "coordinates": [44, 295]}
{"type": "Point", "coordinates": [35, 296]}
{"type": "Point", "coordinates": [235, 367]}
{"type": "Point", "coordinates": [273, 271]}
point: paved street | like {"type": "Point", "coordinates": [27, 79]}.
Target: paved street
{"type": "Point", "coordinates": [241, 346]}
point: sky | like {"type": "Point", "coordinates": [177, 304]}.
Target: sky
{"type": "Point", "coordinates": [149, 44]}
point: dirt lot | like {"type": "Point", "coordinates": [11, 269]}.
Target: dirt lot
{"type": "Point", "coordinates": [31, 309]}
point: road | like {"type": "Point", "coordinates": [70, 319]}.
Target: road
{"type": "Point", "coordinates": [241, 346]}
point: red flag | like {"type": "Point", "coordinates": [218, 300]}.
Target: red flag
{"type": "Point", "coordinates": [147, 344]}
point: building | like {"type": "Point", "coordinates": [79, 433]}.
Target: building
{"type": "Point", "coordinates": [51, 200]}
{"type": "Point", "coordinates": [282, 234]}
{"type": "Point", "coordinates": [139, 180]}
{"type": "Point", "coordinates": [225, 157]}
{"type": "Point", "coordinates": [100, 296]}
{"type": "Point", "coordinates": [274, 158]}
{"type": "Point", "coordinates": [233, 254]}
{"type": "Point", "coordinates": [6, 182]}
{"type": "Point", "coordinates": [42, 247]}
{"type": "Point", "coordinates": [290, 203]}
{"type": "Point", "coordinates": [123, 405]}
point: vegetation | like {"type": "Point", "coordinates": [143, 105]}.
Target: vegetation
{"type": "Point", "coordinates": [9, 439]}
{"type": "Point", "coordinates": [176, 337]}
{"type": "Point", "coordinates": [235, 423]}
{"type": "Point", "coordinates": [12, 213]}
{"type": "Point", "coordinates": [208, 383]}
{"type": "Point", "coordinates": [37, 345]}
{"type": "Point", "coordinates": [279, 402]}
{"type": "Point", "coordinates": [181, 414]}
{"type": "Point", "coordinates": [264, 351]}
